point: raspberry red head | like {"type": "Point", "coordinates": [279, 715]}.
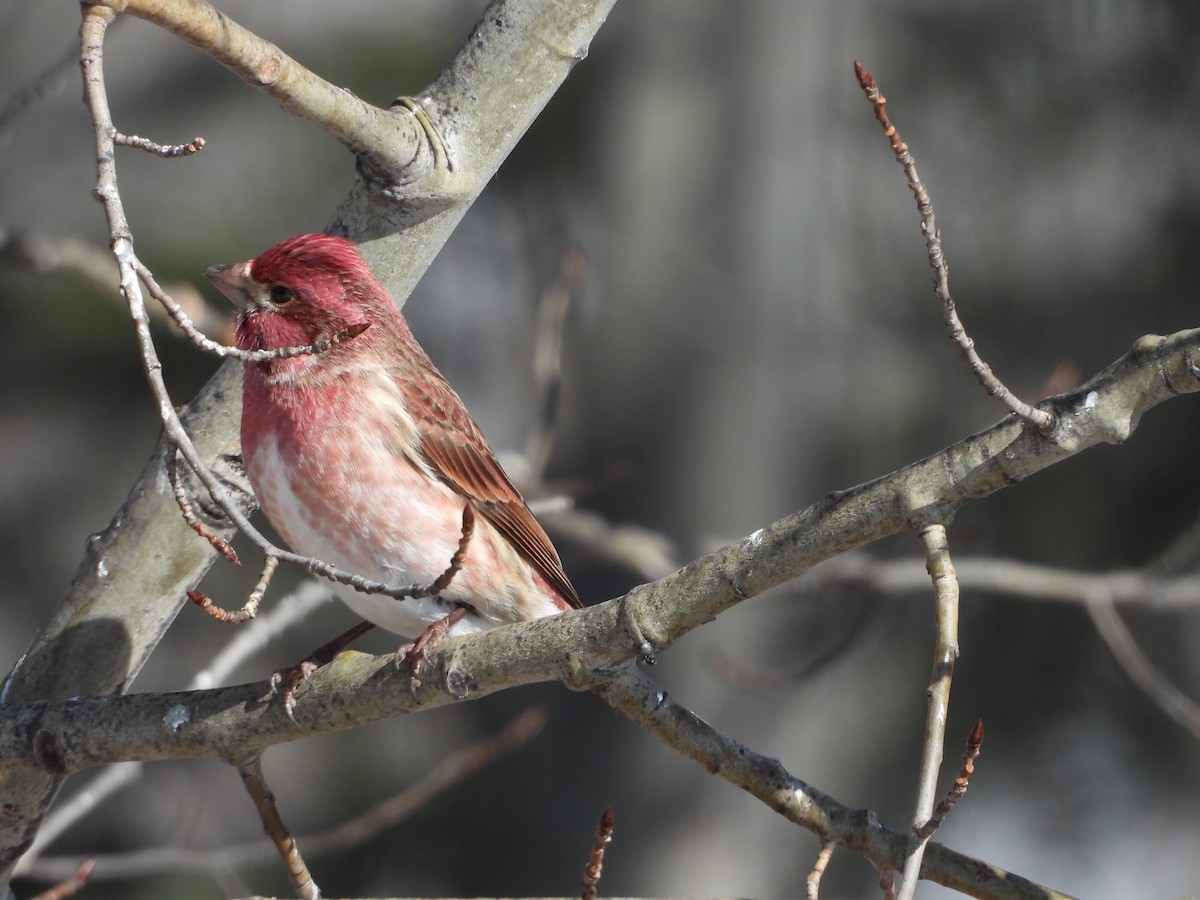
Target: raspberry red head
{"type": "Point", "coordinates": [305, 289]}
{"type": "Point", "coordinates": [313, 257]}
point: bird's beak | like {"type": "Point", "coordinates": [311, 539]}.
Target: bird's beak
{"type": "Point", "coordinates": [234, 281]}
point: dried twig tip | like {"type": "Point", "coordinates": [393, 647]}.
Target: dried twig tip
{"type": "Point", "coordinates": [74, 884]}
{"type": "Point", "coordinates": [974, 743]}
{"type": "Point", "coordinates": [201, 599]}
{"type": "Point", "coordinates": [976, 738]}
{"type": "Point", "coordinates": [866, 81]}
{"type": "Point", "coordinates": [250, 609]}
{"type": "Point", "coordinates": [591, 872]}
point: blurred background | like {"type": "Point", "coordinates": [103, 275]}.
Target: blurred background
{"type": "Point", "coordinates": [755, 329]}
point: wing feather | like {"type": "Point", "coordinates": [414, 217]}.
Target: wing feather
{"type": "Point", "coordinates": [458, 453]}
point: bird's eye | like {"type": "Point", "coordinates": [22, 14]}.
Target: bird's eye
{"type": "Point", "coordinates": [281, 294]}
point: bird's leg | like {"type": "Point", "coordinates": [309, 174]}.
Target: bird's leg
{"type": "Point", "coordinates": [285, 681]}
{"type": "Point", "coordinates": [414, 651]}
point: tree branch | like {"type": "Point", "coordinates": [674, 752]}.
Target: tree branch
{"type": "Point", "coordinates": [393, 142]}
{"type": "Point", "coordinates": [857, 829]}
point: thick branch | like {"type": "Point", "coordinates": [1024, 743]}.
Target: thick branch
{"type": "Point", "coordinates": [392, 140]}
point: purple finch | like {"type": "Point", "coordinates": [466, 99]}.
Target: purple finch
{"type": "Point", "coordinates": [363, 455]}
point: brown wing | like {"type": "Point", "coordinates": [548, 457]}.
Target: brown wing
{"type": "Point", "coordinates": [456, 449]}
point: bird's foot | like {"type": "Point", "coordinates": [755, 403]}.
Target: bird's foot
{"type": "Point", "coordinates": [285, 681]}
{"type": "Point", "coordinates": [414, 651]}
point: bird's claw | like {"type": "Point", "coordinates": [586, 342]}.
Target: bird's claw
{"type": "Point", "coordinates": [285, 681]}
{"type": "Point", "coordinates": [414, 651]}
{"type": "Point", "coordinates": [410, 653]}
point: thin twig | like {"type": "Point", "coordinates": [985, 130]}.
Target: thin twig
{"type": "Point", "coordinates": [1140, 670]}
{"type": "Point", "coordinates": [1038, 418]}
{"type": "Point", "coordinates": [32, 91]}
{"type": "Point", "coordinates": [325, 570]}
{"type": "Point", "coordinates": [72, 886]}
{"type": "Point", "coordinates": [300, 878]}
{"type": "Point", "coordinates": [177, 313]}
{"type": "Point", "coordinates": [275, 556]}
{"type": "Point", "coordinates": [945, 583]}
{"type": "Point", "coordinates": [761, 678]}
{"type": "Point", "coordinates": [94, 266]}
{"type": "Point", "coordinates": [218, 543]}
{"type": "Point", "coordinates": [961, 783]}
{"type": "Point", "coordinates": [1180, 555]}
{"type": "Point", "coordinates": [200, 341]}
{"type": "Point", "coordinates": [249, 609]}
{"type": "Point", "coordinates": [595, 864]}
{"type": "Point", "coordinates": [547, 356]}
{"type": "Point", "coordinates": [1029, 581]}
{"type": "Point", "coordinates": [344, 836]}
{"type": "Point", "coordinates": [812, 884]}
{"type": "Point", "coordinates": [245, 644]}
{"type": "Point", "coordinates": [96, 20]}
{"type": "Point", "coordinates": [166, 151]}
{"type": "Point", "coordinates": [632, 693]}
{"type": "Point", "coordinates": [414, 651]}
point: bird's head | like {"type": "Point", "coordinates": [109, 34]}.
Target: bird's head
{"type": "Point", "coordinates": [309, 288]}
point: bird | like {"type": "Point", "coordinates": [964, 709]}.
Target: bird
{"type": "Point", "coordinates": [363, 456]}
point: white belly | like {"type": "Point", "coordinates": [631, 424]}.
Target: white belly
{"type": "Point", "coordinates": [348, 539]}
{"type": "Point", "coordinates": [408, 617]}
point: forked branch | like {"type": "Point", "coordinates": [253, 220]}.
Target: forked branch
{"type": "Point", "coordinates": [945, 585]}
